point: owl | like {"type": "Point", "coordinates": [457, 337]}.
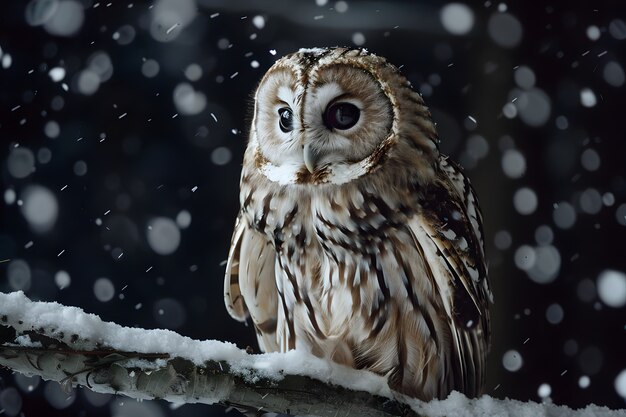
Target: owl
{"type": "Point", "coordinates": [357, 240]}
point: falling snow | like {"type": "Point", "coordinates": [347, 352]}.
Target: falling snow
{"type": "Point", "coordinates": [163, 235]}
{"type": "Point", "coordinates": [612, 288]}
{"type": "Point", "coordinates": [512, 361]}
{"type": "Point", "coordinates": [457, 18]}
{"type": "Point", "coordinates": [57, 74]}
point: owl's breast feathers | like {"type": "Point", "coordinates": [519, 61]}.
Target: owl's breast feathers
{"type": "Point", "coordinates": [391, 280]}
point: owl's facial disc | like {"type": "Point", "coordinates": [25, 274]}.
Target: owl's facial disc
{"type": "Point", "coordinates": [346, 116]}
{"type": "Point", "coordinates": [319, 122]}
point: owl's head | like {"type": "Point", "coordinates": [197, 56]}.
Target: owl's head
{"type": "Point", "coordinates": [333, 115]}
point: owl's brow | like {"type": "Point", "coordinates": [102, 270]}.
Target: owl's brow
{"type": "Point", "coordinates": [341, 97]}
{"type": "Point", "coordinates": [276, 102]}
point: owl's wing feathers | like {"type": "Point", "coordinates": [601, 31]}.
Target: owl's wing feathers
{"type": "Point", "coordinates": [233, 299]}
{"type": "Point", "coordinates": [250, 277]}
{"type": "Point", "coordinates": [449, 231]}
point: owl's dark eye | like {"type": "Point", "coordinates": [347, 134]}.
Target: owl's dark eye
{"type": "Point", "coordinates": [285, 120]}
{"type": "Point", "coordinates": [341, 116]}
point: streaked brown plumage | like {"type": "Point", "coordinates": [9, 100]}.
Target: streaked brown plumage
{"type": "Point", "coordinates": [357, 240]}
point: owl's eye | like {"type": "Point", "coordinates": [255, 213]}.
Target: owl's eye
{"type": "Point", "coordinates": [341, 116]}
{"type": "Point", "coordinates": [285, 120]}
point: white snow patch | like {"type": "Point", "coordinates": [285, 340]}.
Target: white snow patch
{"type": "Point", "coordinates": [620, 383]}
{"type": "Point", "coordinates": [584, 382]}
{"type": "Point", "coordinates": [457, 18]}
{"type": "Point", "coordinates": [183, 219]}
{"type": "Point", "coordinates": [19, 275]}
{"type": "Point", "coordinates": [533, 106]}
{"type": "Point", "coordinates": [189, 101]}
{"type": "Point", "coordinates": [505, 29]}
{"type": "Point", "coordinates": [221, 155]}
{"type": "Point", "coordinates": [315, 51]}
{"type": "Point", "coordinates": [358, 38]}
{"type": "Point", "coordinates": [88, 82]}
{"type": "Point", "coordinates": [103, 289]}
{"type": "Point", "coordinates": [590, 160]}
{"type": "Point", "coordinates": [150, 68]}
{"type": "Point", "coordinates": [544, 390]}
{"type": "Point", "coordinates": [617, 29]}
{"type": "Point", "coordinates": [163, 235]}
{"type": "Point", "coordinates": [170, 17]}
{"type": "Point", "coordinates": [612, 288]}
{"type": "Point", "coordinates": [6, 61]}
{"type": "Point", "coordinates": [524, 77]}
{"type": "Point", "coordinates": [62, 279]}
{"type": "Point", "coordinates": [40, 208]}
{"type": "Point", "coordinates": [57, 74]}
{"type": "Point", "coordinates": [613, 74]}
{"type": "Point", "coordinates": [564, 215]}
{"type": "Point", "coordinates": [512, 361]}
{"type": "Point", "coordinates": [457, 405]}
{"type": "Point", "coordinates": [554, 313]}
{"type": "Point", "coordinates": [24, 340]}
{"type": "Point", "coordinates": [39, 12]}
{"type": "Point", "coordinates": [193, 72]}
{"type": "Point", "coordinates": [258, 21]}
{"type": "Point", "coordinates": [9, 196]}
{"type": "Point", "coordinates": [588, 97]}
{"type": "Point", "coordinates": [525, 201]}
{"type": "Point", "coordinates": [65, 19]}
{"type": "Point", "coordinates": [21, 162]}
{"type": "Point", "coordinates": [341, 6]}
{"type": "Point", "coordinates": [593, 32]}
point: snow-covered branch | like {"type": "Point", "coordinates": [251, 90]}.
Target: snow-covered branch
{"type": "Point", "coordinates": [72, 347]}
{"type": "Point", "coordinates": [65, 344]}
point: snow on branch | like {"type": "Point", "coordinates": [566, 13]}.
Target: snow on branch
{"type": "Point", "coordinates": [72, 347]}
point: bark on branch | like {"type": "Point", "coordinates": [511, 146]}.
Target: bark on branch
{"type": "Point", "coordinates": [55, 353]}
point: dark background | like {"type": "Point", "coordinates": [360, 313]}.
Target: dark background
{"type": "Point", "coordinates": [524, 84]}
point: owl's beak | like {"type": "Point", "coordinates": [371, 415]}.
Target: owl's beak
{"type": "Point", "coordinates": [310, 158]}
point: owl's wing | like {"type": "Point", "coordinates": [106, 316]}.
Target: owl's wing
{"type": "Point", "coordinates": [250, 284]}
{"type": "Point", "coordinates": [449, 232]}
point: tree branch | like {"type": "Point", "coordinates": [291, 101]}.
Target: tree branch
{"type": "Point", "coordinates": [67, 345]}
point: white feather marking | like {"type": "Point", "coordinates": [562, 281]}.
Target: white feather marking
{"type": "Point", "coordinates": [473, 272]}
{"type": "Point", "coordinates": [286, 95]}
{"type": "Point", "coordinates": [326, 93]}
{"type": "Point", "coordinates": [279, 280]}
{"type": "Point", "coordinates": [356, 279]}
{"type": "Point", "coordinates": [343, 173]}
{"type": "Point", "coordinates": [316, 51]}
{"type": "Point", "coordinates": [282, 174]}
{"type": "Point", "coordinates": [341, 307]}
{"type": "Point", "coordinates": [443, 277]}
